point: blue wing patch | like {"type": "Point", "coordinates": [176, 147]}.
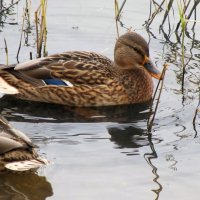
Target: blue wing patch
{"type": "Point", "coordinates": [54, 82]}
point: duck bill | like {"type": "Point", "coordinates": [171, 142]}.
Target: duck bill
{"type": "Point", "coordinates": [149, 66]}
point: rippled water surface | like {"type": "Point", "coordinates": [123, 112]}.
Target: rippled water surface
{"type": "Point", "coordinates": [105, 153]}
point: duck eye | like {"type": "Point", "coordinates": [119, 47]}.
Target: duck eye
{"type": "Point", "coordinates": [137, 50]}
{"type": "Point", "coordinates": [134, 48]}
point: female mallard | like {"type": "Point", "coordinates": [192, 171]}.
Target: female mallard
{"type": "Point", "coordinates": [17, 152]}
{"type": "Point", "coordinates": [81, 78]}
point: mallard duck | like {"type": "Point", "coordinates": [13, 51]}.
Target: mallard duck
{"type": "Point", "coordinates": [17, 152]}
{"type": "Point", "coordinates": [83, 79]}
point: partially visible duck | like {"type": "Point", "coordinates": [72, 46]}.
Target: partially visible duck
{"type": "Point", "coordinates": [84, 79]}
{"type": "Point", "coordinates": [17, 152]}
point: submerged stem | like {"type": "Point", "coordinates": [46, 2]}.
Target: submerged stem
{"type": "Point", "coordinates": [150, 121]}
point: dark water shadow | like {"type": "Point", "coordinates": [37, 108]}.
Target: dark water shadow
{"type": "Point", "coordinates": [128, 136]}
{"type": "Point", "coordinates": [18, 110]}
{"type": "Point", "coordinates": [24, 187]}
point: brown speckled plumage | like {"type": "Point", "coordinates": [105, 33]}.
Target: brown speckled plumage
{"type": "Point", "coordinates": [15, 147]}
{"type": "Point", "coordinates": [95, 79]}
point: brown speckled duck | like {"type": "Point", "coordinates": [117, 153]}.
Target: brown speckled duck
{"type": "Point", "coordinates": [85, 79]}
{"type": "Point", "coordinates": [17, 152]}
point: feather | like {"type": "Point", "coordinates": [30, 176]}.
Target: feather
{"type": "Point", "coordinates": [26, 165]}
{"type": "Point", "coordinates": [17, 152]}
{"type": "Point", "coordinates": [5, 88]}
{"type": "Point", "coordinates": [54, 82]}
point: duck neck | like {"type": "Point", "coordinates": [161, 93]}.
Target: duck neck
{"type": "Point", "coordinates": [137, 82]}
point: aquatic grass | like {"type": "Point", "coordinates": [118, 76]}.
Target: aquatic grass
{"type": "Point", "coordinates": [117, 16]}
{"type": "Point", "coordinates": [6, 50]}
{"type": "Point", "coordinates": [157, 99]}
{"type": "Point", "coordinates": [159, 7]}
{"type": "Point", "coordinates": [152, 15]}
{"type": "Point", "coordinates": [25, 27]}
{"type": "Point", "coordinates": [20, 42]}
{"type": "Point", "coordinates": [197, 113]}
{"type": "Point", "coordinates": [181, 10]}
{"type": "Point", "coordinates": [118, 12]}
{"type": "Point", "coordinates": [27, 12]}
{"type": "Point", "coordinates": [6, 9]}
{"type": "Point", "coordinates": [186, 9]}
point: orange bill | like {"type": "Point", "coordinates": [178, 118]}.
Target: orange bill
{"type": "Point", "coordinates": [149, 66]}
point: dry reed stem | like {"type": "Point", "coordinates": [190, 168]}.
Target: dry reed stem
{"type": "Point", "coordinates": [195, 115]}
{"type": "Point", "coordinates": [167, 11]}
{"type": "Point", "coordinates": [151, 120]}
{"type": "Point", "coordinates": [36, 23]}
{"type": "Point", "coordinates": [120, 10]}
{"type": "Point", "coordinates": [20, 43]}
{"type": "Point", "coordinates": [116, 14]}
{"type": "Point", "coordinates": [150, 20]}
{"type": "Point", "coordinates": [41, 30]}
{"type": "Point", "coordinates": [6, 50]}
{"type": "Point", "coordinates": [45, 28]}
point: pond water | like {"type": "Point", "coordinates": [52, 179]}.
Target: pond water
{"type": "Point", "coordinates": [106, 153]}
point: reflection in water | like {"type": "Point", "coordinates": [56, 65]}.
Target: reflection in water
{"type": "Point", "coordinates": [24, 187]}
{"type": "Point", "coordinates": [45, 112]}
{"type": "Point", "coordinates": [130, 136]}
{"type": "Point", "coordinates": [149, 157]}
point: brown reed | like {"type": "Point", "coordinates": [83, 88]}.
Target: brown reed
{"type": "Point", "coordinates": [152, 117]}
{"type": "Point", "coordinates": [41, 28]}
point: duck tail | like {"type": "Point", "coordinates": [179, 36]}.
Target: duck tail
{"type": "Point", "coordinates": [27, 165]}
{"type": "Point", "coordinates": [6, 88]}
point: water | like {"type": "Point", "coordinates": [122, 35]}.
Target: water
{"type": "Point", "coordinates": [105, 153]}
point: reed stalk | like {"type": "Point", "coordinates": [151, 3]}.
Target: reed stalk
{"type": "Point", "coordinates": [41, 28]}
{"type": "Point", "coordinates": [161, 81]}
{"type": "Point", "coordinates": [118, 12]}
{"type": "Point", "coordinates": [20, 43]}
{"type": "Point", "coordinates": [197, 111]}
{"type": "Point", "coordinates": [6, 50]}
{"type": "Point", "coordinates": [183, 20]}
{"type": "Point", "coordinates": [116, 16]}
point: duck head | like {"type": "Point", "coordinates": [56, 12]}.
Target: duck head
{"type": "Point", "coordinates": [132, 51]}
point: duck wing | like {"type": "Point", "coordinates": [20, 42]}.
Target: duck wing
{"type": "Point", "coordinates": [11, 138]}
{"type": "Point", "coordinates": [110, 93]}
{"type": "Point", "coordinates": [76, 67]}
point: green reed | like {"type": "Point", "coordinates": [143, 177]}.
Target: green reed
{"type": "Point", "coordinates": [183, 23]}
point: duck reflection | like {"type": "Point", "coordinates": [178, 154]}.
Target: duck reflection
{"type": "Point", "coordinates": [24, 186]}
{"type": "Point", "coordinates": [128, 136]}
{"type": "Point", "coordinates": [132, 137]}
{"type": "Point", "coordinates": [43, 112]}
